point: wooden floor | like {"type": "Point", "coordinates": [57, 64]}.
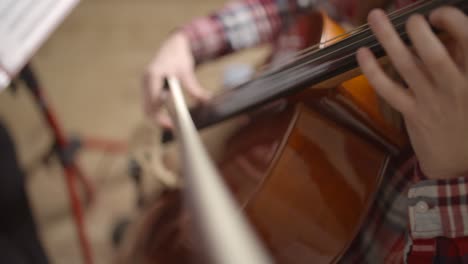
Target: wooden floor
{"type": "Point", "coordinates": [91, 69]}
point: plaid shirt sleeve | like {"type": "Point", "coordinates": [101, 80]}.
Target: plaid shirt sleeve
{"type": "Point", "coordinates": [438, 218]}
{"type": "Point", "coordinates": [247, 23]}
{"type": "Point", "coordinates": [238, 25]}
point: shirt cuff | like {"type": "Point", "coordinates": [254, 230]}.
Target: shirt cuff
{"type": "Point", "coordinates": [438, 207]}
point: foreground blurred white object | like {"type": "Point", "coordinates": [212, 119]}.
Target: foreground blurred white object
{"type": "Point", "coordinates": [24, 26]}
{"type": "Point", "coordinates": [227, 236]}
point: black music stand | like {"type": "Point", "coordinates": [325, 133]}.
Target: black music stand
{"type": "Point", "coordinates": [66, 149]}
{"type": "Point", "coordinates": [24, 27]}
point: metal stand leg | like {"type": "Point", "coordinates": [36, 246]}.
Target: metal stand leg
{"type": "Point", "coordinates": [66, 150]}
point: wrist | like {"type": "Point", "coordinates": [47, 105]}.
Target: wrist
{"type": "Point", "coordinates": [447, 173]}
{"type": "Point", "coordinates": [180, 36]}
{"type": "Point", "coordinates": [182, 40]}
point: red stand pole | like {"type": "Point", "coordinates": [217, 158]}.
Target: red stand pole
{"type": "Point", "coordinates": [66, 154]}
{"type": "Point", "coordinates": [64, 149]}
{"type": "Point", "coordinates": [71, 173]}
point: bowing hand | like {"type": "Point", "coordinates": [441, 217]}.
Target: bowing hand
{"type": "Point", "coordinates": [174, 58]}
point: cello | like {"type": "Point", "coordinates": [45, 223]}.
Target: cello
{"type": "Point", "coordinates": [306, 167]}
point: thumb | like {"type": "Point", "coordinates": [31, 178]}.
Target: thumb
{"type": "Point", "coordinates": [163, 119]}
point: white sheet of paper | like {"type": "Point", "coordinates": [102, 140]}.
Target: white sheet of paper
{"type": "Point", "coordinates": [24, 26]}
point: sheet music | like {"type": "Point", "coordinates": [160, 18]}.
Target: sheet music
{"type": "Point", "coordinates": [24, 26]}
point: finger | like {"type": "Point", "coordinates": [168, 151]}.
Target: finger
{"type": "Point", "coordinates": [163, 119]}
{"type": "Point", "coordinates": [456, 53]}
{"type": "Point", "coordinates": [454, 22]}
{"type": "Point", "coordinates": [398, 97]}
{"type": "Point", "coordinates": [399, 54]}
{"type": "Point", "coordinates": [152, 86]}
{"type": "Point", "coordinates": [193, 86]}
{"type": "Point", "coordinates": [147, 102]}
{"type": "Point", "coordinates": [431, 51]}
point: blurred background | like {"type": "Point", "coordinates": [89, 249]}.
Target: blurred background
{"type": "Point", "coordinates": [91, 69]}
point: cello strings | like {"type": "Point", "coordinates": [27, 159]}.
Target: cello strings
{"type": "Point", "coordinates": [286, 74]}
{"type": "Point", "coordinates": [376, 44]}
{"type": "Point", "coordinates": [306, 73]}
{"type": "Point", "coordinates": [315, 60]}
{"type": "Point", "coordinates": [315, 48]}
{"type": "Point", "coordinates": [295, 67]}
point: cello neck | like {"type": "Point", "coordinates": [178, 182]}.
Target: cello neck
{"type": "Point", "coordinates": [321, 69]}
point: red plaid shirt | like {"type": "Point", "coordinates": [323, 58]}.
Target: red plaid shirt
{"type": "Point", "coordinates": [413, 219]}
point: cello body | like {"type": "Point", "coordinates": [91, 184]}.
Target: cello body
{"type": "Point", "coordinates": [304, 169]}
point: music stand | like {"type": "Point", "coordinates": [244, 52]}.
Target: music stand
{"type": "Point", "coordinates": [24, 26]}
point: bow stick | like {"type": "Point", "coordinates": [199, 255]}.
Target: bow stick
{"type": "Point", "coordinates": [225, 232]}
